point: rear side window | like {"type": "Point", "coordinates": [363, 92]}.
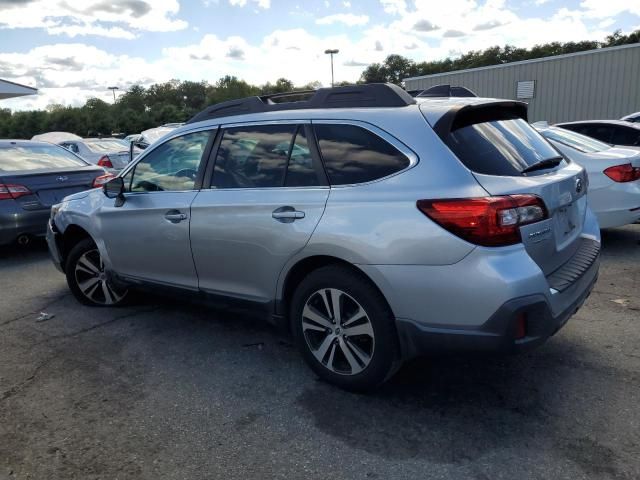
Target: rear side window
{"type": "Point", "coordinates": [626, 136]}
{"type": "Point", "coordinates": [600, 132]}
{"type": "Point", "coordinates": [501, 147]}
{"type": "Point", "coordinates": [352, 154]}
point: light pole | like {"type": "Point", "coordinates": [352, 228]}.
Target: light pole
{"type": "Point", "coordinates": [113, 89]}
{"type": "Point", "coordinates": [332, 52]}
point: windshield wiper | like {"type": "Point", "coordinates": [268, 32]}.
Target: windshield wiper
{"type": "Point", "coordinates": [542, 164]}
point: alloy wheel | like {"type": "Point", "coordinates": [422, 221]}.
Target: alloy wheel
{"type": "Point", "coordinates": [338, 331]}
{"type": "Point", "coordinates": [92, 280]}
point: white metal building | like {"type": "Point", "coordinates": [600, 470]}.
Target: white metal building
{"type": "Point", "coordinates": [595, 84]}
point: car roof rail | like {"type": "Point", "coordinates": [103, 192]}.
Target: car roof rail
{"type": "Point", "coordinates": [351, 96]}
{"type": "Point", "coordinates": [447, 91]}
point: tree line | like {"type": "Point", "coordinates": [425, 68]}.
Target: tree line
{"type": "Point", "coordinates": [140, 108]}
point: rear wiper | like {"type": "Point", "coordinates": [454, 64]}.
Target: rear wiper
{"type": "Point", "coordinates": [542, 164]}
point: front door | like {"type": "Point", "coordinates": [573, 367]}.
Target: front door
{"type": "Point", "coordinates": [267, 195]}
{"type": "Point", "coordinates": [147, 237]}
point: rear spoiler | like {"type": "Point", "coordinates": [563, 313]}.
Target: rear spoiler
{"type": "Point", "coordinates": [464, 115]}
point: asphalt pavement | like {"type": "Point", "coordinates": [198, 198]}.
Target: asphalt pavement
{"type": "Point", "coordinates": [165, 389]}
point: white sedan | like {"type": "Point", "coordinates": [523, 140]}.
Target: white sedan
{"type": "Point", "coordinates": [614, 174]}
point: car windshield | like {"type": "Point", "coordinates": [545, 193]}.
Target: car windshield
{"type": "Point", "coordinates": [14, 158]}
{"type": "Point", "coordinates": [575, 140]}
{"type": "Point", "coordinates": [105, 146]}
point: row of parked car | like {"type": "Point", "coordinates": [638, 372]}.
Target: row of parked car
{"type": "Point", "coordinates": [374, 225]}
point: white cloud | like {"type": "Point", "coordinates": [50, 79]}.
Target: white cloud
{"type": "Point", "coordinates": [346, 4]}
{"type": "Point", "coordinates": [394, 7]}
{"type": "Point", "coordinates": [609, 8]}
{"type": "Point", "coordinates": [347, 18]}
{"type": "Point", "coordinates": [265, 4]}
{"type": "Point", "coordinates": [109, 18]}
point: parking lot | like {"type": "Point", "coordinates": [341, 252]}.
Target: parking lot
{"type": "Point", "coordinates": [164, 389]}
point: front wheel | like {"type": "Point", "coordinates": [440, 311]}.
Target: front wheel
{"type": "Point", "coordinates": [344, 328]}
{"type": "Point", "coordinates": [87, 278]}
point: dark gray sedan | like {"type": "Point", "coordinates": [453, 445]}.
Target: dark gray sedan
{"type": "Point", "coordinates": [34, 176]}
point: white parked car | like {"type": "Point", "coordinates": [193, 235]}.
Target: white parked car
{"type": "Point", "coordinates": [614, 174]}
{"type": "Point", "coordinates": [109, 153]}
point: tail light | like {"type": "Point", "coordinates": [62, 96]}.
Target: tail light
{"type": "Point", "coordinates": [105, 162]}
{"type": "Point", "coordinates": [623, 173]}
{"type": "Point", "coordinates": [102, 179]}
{"type": "Point", "coordinates": [11, 191]}
{"type": "Point", "coordinates": [486, 221]}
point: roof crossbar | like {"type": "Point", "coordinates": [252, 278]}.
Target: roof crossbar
{"type": "Point", "coordinates": [352, 96]}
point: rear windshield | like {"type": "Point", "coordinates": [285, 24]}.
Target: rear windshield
{"type": "Point", "coordinates": [106, 146]}
{"type": "Point", "coordinates": [580, 142]}
{"type": "Point", "coordinates": [34, 157]}
{"type": "Point", "coordinates": [500, 147]}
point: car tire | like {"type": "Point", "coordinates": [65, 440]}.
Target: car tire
{"type": "Point", "coordinates": [87, 278]}
{"type": "Point", "coordinates": [345, 329]}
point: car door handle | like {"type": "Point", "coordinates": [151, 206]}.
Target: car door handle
{"type": "Point", "coordinates": [287, 214]}
{"type": "Point", "coordinates": [174, 216]}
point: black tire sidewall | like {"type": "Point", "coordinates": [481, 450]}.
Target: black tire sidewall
{"type": "Point", "coordinates": [386, 352]}
{"type": "Point", "coordinates": [76, 252]}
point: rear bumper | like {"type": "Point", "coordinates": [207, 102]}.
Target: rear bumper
{"type": "Point", "coordinates": [475, 305]}
{"type": "Point", "coordinates": [498, 334]}
{"type": "Point", "coordinates": [618, 218]}
{"type": "Point", "coordinates": [14, 221]}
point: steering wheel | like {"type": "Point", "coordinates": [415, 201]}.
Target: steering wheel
{"type": "Point", "coordinates": [187, 172]}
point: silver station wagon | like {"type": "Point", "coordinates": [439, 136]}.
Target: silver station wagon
{"type": "Point", "coordinates": [374, 225]}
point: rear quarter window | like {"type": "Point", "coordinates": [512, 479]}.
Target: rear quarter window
{"type": "Point", "coordinates": [501, 147]}
{"type": "Point", "coordinates": [352, 154]}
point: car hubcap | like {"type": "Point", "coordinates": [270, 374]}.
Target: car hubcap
{"type": "Point", "coordinates": [92, 279]}
{"type": "Point", "coordinates": [338, 331]}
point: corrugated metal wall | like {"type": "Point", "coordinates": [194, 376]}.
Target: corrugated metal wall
{"type": "Point", "coordinates": [599, 84]}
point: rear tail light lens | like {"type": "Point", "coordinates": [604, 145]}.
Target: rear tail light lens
{"type": "Point", "coordinates": [12, 191]}
{"type": "Point", "coordinates": [623, 173]}
{"type": "Point", "coordinates": [486, 221]}
{"type": "Point", "coordinates": [105, 162]}
{"type": "Point", "coordinates": [102, 179]}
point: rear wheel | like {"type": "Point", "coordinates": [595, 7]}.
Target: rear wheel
{"type": "Point", "coordinates": [344, 328]}
{"type": "Point", "coordinates": [87, 278]}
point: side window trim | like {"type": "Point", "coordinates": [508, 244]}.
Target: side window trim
{"type": "Point", "coordinates": [384, 135]}
{"type": "Point", "coordinates": [315, 154]}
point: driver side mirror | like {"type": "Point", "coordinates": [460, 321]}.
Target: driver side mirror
{"type": "Point", "coordinates": [115, 189]}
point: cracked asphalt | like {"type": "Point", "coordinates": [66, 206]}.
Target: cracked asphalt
{"type": "Point", "coordinates": [169, 390]}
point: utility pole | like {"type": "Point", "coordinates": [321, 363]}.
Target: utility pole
{"type": "Point", "coordinates": [332, 52]}
{"type": "Point", "coordinates": [113, 89]}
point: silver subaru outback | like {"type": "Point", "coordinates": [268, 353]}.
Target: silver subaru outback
{"type": "Point", "coordinates": [376, 226]}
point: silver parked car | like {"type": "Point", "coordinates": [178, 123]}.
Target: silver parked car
{"type": "Point", "coordinates": [109, 153]}
{"type": "Point", "coordinates": [400, 226]}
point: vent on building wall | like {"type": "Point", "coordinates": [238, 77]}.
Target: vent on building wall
{"type": "Point", "coordinates": [526, 89]}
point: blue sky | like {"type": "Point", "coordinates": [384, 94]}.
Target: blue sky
{"type": "Point", "coordinates": [74, 49]}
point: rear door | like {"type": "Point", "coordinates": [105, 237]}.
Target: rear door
{"type": "Point", "coordinates": [266, 196]}
{"type": "Point", "coordinates": [507, 156]}
{"type": "Point", "coordinates": [147, 237]}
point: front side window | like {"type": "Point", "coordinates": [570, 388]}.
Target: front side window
{"type": "Point", "coordinates": [352, 154]}
{"type": "Point", "coordinates": [253, 156]}
{"type": "Point", "coordinates": [173, 166]}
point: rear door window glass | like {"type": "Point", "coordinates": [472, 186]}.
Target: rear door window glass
{"type": "Point", "coordinates": [352, 154]}
{"type": "Point", "coordinates": [253, 156]}
{"type": "Point", "coordinates": [301, 170]}
{"type": "Point", "coordinates": [501, 147]}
